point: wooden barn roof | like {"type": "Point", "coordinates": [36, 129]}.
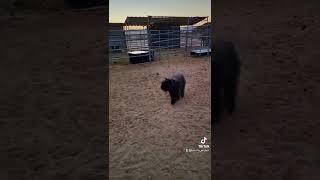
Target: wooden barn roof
{"type": "Point", "coordinates": [176, 21]}
{"type": "Point", "coordinates": [204, 26]}
{"type": "Point", "coordinates": [136, 21]}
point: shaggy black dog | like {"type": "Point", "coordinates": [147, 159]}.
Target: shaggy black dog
{"type": "Point", "coordinates": [226, 72]}
{"type": "Point", "coordinates": [175, 85]}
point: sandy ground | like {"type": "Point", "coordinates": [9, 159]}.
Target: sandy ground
{"type": "Point", "coordinates": [53, 121]}
{"type": "Point", "coordinates": [147, 135]}
{"type": "Point", "coordinates": [274, 134]}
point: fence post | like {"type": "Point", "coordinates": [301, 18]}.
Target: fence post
{"type": "Point", "coordinates": [149, 39]}
{"type": "Point", "coordinates": [159, 43]}
{"type": "Point", "coordinates": [208, 38]}
{"type": "Point", "coordinates": [187, 39]}
{"type": "Point", "coordinates": [167, 40]}
{"type": "Point", "coordinates": [140, 40]}
{"type": "Point", "coordinates": [191, 38]}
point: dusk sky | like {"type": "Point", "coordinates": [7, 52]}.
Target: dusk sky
{"type": "Point", "coordinates": [120, 9]}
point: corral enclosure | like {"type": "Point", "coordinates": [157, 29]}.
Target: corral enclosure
{"type": "Point", "coordinates": [158, 36]}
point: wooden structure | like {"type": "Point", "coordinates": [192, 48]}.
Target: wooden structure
{"type": "Point", "coordinates": [156, 20]}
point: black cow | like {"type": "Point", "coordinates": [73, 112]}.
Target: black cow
{"type": "Point", "coordinates": [226, 72]}
{"type": "Point", "coordinates": [175, 85]}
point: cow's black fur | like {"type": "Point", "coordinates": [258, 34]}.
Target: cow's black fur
{"type": "Point", "coordinates": [175, 85]}
{"type": "Point", "coordinates": [226, 72]}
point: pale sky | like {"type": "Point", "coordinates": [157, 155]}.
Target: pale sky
{"type": "Point", "coordinates": [120, 9]}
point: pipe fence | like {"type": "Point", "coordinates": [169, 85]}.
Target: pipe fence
{"type": "Point", "coordinates": [158, 43]}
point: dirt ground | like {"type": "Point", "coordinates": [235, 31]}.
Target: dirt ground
{"type": "Point", "coordinates": [147, 135]}
{"type": "Point", "coordinates": [274, 133]}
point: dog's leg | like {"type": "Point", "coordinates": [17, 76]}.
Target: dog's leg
{"type": "Point", "coordinates": [173, 96]}
{"type": "Point", "coordinates": [173, 101]}
{"type": "Point", "coordinates": [182, 92]}
{"type": "Point", "coordinates": [179, 94]}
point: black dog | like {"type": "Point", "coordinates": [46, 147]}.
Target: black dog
{"type": "Point", "coordinates": [175, 85]}
{"type": "Point", "coordinates": [226, 72]}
